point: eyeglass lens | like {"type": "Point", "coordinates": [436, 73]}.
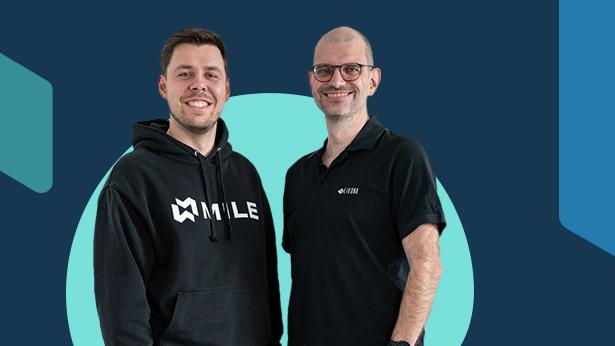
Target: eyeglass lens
{"type": "Point", "coordinates": [324, 73]}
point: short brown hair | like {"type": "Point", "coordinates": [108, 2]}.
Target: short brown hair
{"type": "Point", "coordinates": [196, 36]}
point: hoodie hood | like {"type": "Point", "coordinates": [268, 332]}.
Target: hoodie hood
{"type": "Point", "coordinates": [152, 135]}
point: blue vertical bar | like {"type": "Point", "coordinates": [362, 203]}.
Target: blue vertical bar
{"type": "Point", "coordinates": [587, 120]}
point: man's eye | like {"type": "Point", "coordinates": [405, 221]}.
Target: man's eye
{"type": "Point", "coordinates": [352, 69]}
{"type": "Point", "coordinates": [183, 75]}
{"type": "Point", "coordinates": [212, 76]}
{"type": "Point", "coordinates": [323, 71]}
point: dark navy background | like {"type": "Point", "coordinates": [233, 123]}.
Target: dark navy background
{"type": "Point", "coordinates": [474, 81]}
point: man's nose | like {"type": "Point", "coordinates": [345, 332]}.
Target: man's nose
{"type": "Point", "coordinates": [198, 84]}
{"type": "Point", "coordinates": [336, 79]}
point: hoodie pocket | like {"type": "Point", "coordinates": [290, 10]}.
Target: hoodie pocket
{"type": "Point", "coordinates": [219, 316]}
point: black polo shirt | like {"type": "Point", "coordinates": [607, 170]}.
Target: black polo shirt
{"type": "Point", "coordinates": [343, 227]}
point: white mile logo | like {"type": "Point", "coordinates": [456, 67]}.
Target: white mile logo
{"type": "Point", "coordinates": [215, 211]}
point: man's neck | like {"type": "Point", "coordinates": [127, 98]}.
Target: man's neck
{"type": "Point", "coordinates": [202, 142]}
{"type": "Point", "coordinates": [340, 134]}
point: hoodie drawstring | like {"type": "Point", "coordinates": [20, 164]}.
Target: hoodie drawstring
{"type": "Point", "coordinates": [212, 225]}
{"type": "Point", "coordinates": [228, 212]}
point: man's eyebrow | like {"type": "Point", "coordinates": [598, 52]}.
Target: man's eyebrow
{"type": "Point", "coordinates": [190, 67]}
{"type": "Point", "coordinates": [183, 67]}
{"type": "Point", "coordinates": [213, 68]}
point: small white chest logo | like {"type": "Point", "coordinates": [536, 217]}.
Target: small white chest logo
{"type": "Point", "coordinates": [348, 191]}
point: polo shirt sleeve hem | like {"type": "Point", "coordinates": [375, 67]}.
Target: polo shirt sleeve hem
{"type": "Point", "coordinates": [405, 230]}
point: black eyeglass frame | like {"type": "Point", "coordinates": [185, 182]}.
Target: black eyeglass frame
{"type": "Point", "coordinates": [335, 67]}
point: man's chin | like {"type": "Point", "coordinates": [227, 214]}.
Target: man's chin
{"type": "Point", "coordinates": [199, 126]}
{"type": "Point", "coordinates": [336, 116]}
{"type": "Point", "coordinates": [202, 128]}
{"type": "Point", "coordinates": [335, 111]}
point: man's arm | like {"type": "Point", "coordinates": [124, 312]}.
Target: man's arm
{"type": "Point", "coordinates": [123, 258]}
{"type": "Point", "coordinates": [422, 249]}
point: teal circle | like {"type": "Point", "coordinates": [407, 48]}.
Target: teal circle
{"type": "Point", "coordinates": [273, 131]}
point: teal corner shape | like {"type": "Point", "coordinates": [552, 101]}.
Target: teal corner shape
{"type": "Point", "coordinates": [273, 131]}
{"type": "Point", "coordinates": [26, 114]}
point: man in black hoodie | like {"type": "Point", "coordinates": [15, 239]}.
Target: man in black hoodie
{"type": "Point", "coordinates": [184, 244]}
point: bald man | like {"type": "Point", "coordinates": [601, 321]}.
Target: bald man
{"type": "Point", "coordinates": [362, 218]}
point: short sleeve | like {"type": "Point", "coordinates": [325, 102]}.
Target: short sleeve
{"type": "Point", "coordinates": [414, 199]}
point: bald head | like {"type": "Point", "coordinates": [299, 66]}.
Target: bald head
{"type": "Point", "coordinates": [346, 34]}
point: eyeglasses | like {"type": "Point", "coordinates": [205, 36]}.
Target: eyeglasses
{"type": "Point", "coordinates": [349, 72]}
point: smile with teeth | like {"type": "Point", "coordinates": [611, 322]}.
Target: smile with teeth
{"type": "Point", "coordinates": [337, 94]}
{"type": "Point", "coordinates": [198, 103]}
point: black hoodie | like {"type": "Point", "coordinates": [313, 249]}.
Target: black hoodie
{"type": "Point", "coordinates": [184, 247]}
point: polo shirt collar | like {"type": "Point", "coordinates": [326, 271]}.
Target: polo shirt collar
{"type": "Point", "coordinates": [366, 139]}
{"type": "Point", "coordinates": [369, 135]}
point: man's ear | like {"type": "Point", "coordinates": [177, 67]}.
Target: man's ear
{"type": "Point", "coordinates": [162, 86]}
{"type": "Point", "coordinates": [228, 89]}
{"type": "Point", "coordinates": [374, 80]}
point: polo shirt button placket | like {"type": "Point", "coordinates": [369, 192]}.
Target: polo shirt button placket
{"type": "Point", "coordinates": [325, 179]}
{"type": "Point", "coordinates": [323, 182]}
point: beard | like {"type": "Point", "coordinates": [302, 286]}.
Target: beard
{"type": "Point", "coordinates": [338, 116]}
{"type": "Point", "coordinates": [194, 125]}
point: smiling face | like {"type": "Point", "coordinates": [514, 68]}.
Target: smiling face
{"type": "Point", "coordinates": [337, 98]}
{"type": "Point", "coordinates": [195, 86]}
